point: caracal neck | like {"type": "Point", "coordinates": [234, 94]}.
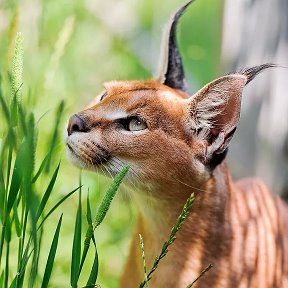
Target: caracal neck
{"type": "Point", "coordinates": [188, 255]}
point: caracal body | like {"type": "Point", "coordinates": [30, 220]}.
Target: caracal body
{"type": "Point", "coordinates": [176, 144]}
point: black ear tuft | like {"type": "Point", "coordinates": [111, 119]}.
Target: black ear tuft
{"type": "Point", "coordinates": [171, 68]}
{"type": "Point", "coordinates": [252, 72]}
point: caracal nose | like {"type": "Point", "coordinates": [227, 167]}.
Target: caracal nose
{"type": "Point", "coordinates": [77, 124]}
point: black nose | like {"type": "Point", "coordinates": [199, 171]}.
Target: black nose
{"type": "Point", "coordinates": [77, 124]}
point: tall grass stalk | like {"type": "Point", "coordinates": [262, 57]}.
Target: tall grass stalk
{"type": "Point", "coordinates": [200, 275]}
{"type": "Point", "coordinates": [17, 66]}
{"type": "Point", "coordinates": [164, 251]}
{"type": "Point", "coordinates": [100, 215]}
{"type": "Point", "coordinates": [172, 238]}
{"type": "Point", "coordinates": [144, 260]}
{"type": "Point", "coordinates": [59, 49]}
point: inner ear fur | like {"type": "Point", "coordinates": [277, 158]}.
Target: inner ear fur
{"type": "Point", "coordinates": [214, 112]}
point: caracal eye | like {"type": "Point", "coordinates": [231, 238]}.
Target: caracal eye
{"type": "Point", "coordinates": [136, 124]}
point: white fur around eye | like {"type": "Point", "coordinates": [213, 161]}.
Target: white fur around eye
{"type": "Point", "coordinates": [136, 124]}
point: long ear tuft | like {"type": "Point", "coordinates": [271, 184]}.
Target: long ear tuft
{"type": "Point", "coordinates": [252, 72]}
{"type": "Point", "coordinates": [171, 68]}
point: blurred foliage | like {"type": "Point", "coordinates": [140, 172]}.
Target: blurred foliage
{"type": "Point", "coordinates": [70, 49]}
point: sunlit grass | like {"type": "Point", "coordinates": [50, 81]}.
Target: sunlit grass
{"type": "Point", "coordinates": [23, 214]}
{"type": "Point", "coordinates": [23, 210]}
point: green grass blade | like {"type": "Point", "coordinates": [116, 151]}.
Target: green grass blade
{"type": "Point", "coordinates": [16, 177]}
{"type": "Point", "coordinates": [42, 116]}
{"type": "Point", "coordinates": [94, 271]}
{"type": "Point", "coordinates": [76, 248]}
{"type": "Point", "coordinates": [2, 195]}
{"type": "Point", "coordinates": [55, 136]}
{"type": "Point", "coordinates": [13, 283]}
{"type": "Point", "coordinates": [4, 107]}
{"type": "Point", "coordinates": [8, 230]}
{"type": "Point", "coordinates": [51, 256]}
{"type": "Point", "coordinates": [24, 261]}
{"type": "Point", "coordinates": [16, 220]}
{"type": "Point", "coordinates": [105, 204]}
{"type": "Point", "coordinates": [47, 193]}
{"type": "Point", "coordinates": [41, 168]}
{"type": "Point", "coordinates": [6, 274]}
{"type": "Point", "coordinates": [34, 267]}
{"type": "Point", "coordinates": [29, 150]}
{"type": "Point", "coordinates": [56, 206]}
{"type": "Point", "coordinates": [38, 252]}
{"type": "Point", "coordinates": [10, 145]}
{"type": "Point", "coordinates": [31, 200]}
{"type": "Point", "coordinates": [2, 279]}
{"type": "Point", "coordinates": [24, 220]}
{"type": "Point", "coordinates": [88, 236]}
{"type": "Point", "coordinates": [89, 213]}
{"type": "Point", "coordinates": [14, 111]}
{"type": "Point", "coordinates": [22, 120]}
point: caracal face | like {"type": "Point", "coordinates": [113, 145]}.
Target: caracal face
{"type": "Point", "coordinates": [144, 124]}
{"type": "Point", "coordinates": [155, 126]}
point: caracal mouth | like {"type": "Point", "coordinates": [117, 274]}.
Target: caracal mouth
{"type": "Point", "coordinates": [86, 154]}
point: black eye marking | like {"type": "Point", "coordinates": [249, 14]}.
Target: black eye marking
{"type": "Point", "coordinates": [125, 122]}
{"type": "Point", "coordinates": [103, 95]}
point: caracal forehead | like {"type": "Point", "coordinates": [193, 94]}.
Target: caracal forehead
{"type": "Point", "coordinates": [123, 98]}
{"type": "Point", "coordinates": [154, 90]}
{"type": "Point", "coordinates": [132, 85]}
{"type": "Point", "coordinates": [131, 95]}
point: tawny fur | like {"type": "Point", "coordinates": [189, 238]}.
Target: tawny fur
{"type": "Point", "coordinates": [239, 227]}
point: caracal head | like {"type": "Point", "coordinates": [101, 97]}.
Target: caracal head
{"type": "Point", "coordinates": [156, 126]}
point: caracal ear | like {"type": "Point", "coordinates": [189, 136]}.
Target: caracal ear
{"type": "Point", "coordinates": [214, 112]}
{"type": "Point", "coordinates": [171, 72]}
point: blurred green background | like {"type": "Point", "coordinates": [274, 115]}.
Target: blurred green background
{"type": "Point", "coordinates": [71, 48]}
